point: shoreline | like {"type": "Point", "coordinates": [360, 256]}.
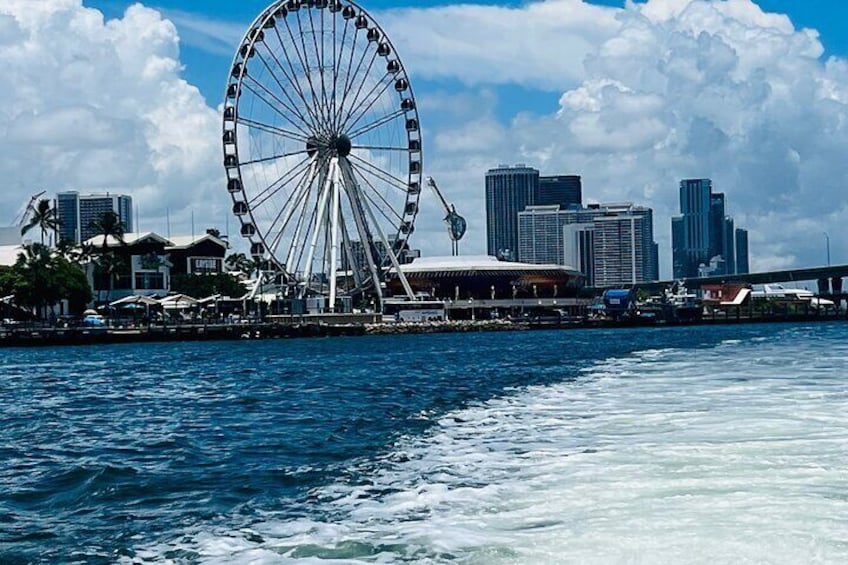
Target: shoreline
{"type": "Point", "coordinates": [50, 337]}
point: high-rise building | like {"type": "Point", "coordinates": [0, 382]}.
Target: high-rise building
{"type": "Point", "coordinates": [509, 190]}
{"type": "Point", "coordinates": [716, 228]}
{"type": "Point", "coordinates": [612, 244]}
{"type": "Point", "coordinates": [76, 213]}
{"type": "Point", "coordinates": [728, 243]}
{"type": "Point", "coordinates": [563, 190]}
{"type": "Point", "coordinates": [691, 235]}
{"type": "Point", "coordinates": [742, 266]}
{"type": "Point", "coordinates": [703, 238]}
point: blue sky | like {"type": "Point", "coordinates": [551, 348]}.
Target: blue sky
{"type": "Point", "coordinates": [207, 70]}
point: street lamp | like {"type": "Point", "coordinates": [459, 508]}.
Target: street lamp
{"type": "Point", "coordinates": [827, 244]}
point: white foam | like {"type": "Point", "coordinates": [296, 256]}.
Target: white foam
{"type": "Point", "coordinates": [735, 454]}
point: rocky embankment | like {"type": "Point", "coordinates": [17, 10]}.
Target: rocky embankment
{"type": "Point", "coordinates": [455, 326]}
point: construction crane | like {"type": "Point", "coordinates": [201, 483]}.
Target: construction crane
{"type": "Point", "coordinates": [30, 207]}
{"type": "Point", "coordinates": [456, 224]}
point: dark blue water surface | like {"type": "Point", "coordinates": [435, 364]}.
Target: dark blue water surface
{"type": "Point", "coordinates": [107, 449]}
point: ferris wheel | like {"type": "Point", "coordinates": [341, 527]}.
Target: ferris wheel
{"type": "Point", "coordinates": [322, 148]}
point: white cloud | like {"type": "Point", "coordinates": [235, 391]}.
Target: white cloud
{"type": "Point", "coordinates": [541, 44]}
{"type": "Point", "coordinates": [683, 88]}
{"type": "Point", "coordinates": [96, 105]}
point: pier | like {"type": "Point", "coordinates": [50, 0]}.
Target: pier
{"type": "Point", "coordinates": [33, 335]}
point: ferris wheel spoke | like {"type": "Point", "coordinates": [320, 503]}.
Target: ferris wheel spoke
{"type": "Point", "coordinates": [279, 184]}
{"type": "Point", "coordinates": [304, 65]}
{"type": "Point", "coordinates": [353, 105]}
{"type": "Point", "coordinates": [368, 105]}
{"type": "Point", "coordinates": [319, 55]}
{"type": "Point", "coordinates": [273, 106]}
{"type": "Point", "coordinates": [299, 196]}
{"type": "Point", "coordinates": [274, 157]}
{"type": "Point", "coordinates": [304, 207]}
{"type": "Point", "coordinates": [397, 217]}
{"type": "Point", "coordinates": [295, 83]}
{"type": "Point", "coordinates": [388, 118]}
{"type": "Point", "coordinates": [350, 79]}
{"type": "Point", "coordinates": [307, 68]}
{"type": "Point", "coordinates": [381, 148]}
{"type": "Point", "coordinates": [283, 89]}
{"type": "Point", "coordinates": [268, 128]}
{"type": "Point", "coordinates": [377, 172]}
{"type": "Point", "coordinates": [337, 53]}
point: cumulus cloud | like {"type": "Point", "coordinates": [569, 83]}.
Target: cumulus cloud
{"type": "Point", "coordinates": [95, 105]}
{"type": "Point", "coordinates": [692, 88]}
{"type": "Point", "coordinates": [648, 94]}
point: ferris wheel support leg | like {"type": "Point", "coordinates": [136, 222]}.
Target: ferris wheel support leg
{"type": "Point", "coordinates": [334, 227]}
{"type": "Point", "coordinates": [307, 186]}
{"type": "Point", "coordinates": [319, 221]}
{"type": "Point", "coordinates": [361, 227]}
{"type": "Point", "coordinates": [357, 276]}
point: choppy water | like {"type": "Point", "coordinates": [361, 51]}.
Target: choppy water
{"type": "Point", "coordinates": [687, 445]}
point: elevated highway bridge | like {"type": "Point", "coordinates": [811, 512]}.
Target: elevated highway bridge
{"type": "Point", "coordinates": [829, 279]}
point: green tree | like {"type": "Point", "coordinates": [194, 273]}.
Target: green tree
{"type": "Point", "coordinates": [73, 284]}
{"type": "Point", "coordinates": [76, 253]}
{"type": "Point", "coordinates": [44, 217]}
{"type": "Point", "coordinates": [8, 281]}
{"type": "Point", "coordinates": [37, 286]}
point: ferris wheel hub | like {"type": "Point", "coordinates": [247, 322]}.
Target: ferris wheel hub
{"type": "Point", "coordinates": [341, 144]}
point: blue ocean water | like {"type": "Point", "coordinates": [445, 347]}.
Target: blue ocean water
{"type": "Point", "coordinates": [697, 445]}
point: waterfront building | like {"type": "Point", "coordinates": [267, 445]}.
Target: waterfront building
{"type": "Point", "coordinates": [563, 190]}
{"type": "Point", "coordinates": [612, 244]}
{"type": "Point", "coordinates": [509, 190]}
{"type": "Point", "coordinates": [148, 260]}
{"type": "Point", "coordinates": [742, 266]}
{"type": "Point", "coordinates": [624, 248]}
{"type": "Point", "coordinates": [77, 211]}
{"type": "Point", "coordinates": [486, 278]}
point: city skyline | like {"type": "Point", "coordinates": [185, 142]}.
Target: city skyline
{"type": "Point", "coordinates": [741, 117]}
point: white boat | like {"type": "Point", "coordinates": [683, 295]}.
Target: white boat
{"type": "Point", "coordinates": [781, 293]}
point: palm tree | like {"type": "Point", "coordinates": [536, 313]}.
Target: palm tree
{"type": "Point", "coordinates": [39, 288]}
{"type": "Point", "coordinates": [108, 225]}
{"type": "Point", "coordinates": [44, 216]}
{"type": "Point", "coordinates": [81, 254]}
{"type": "Point", "coordinates": [239, 262]}
{"type": "Point", "coordinates": [110, 265]}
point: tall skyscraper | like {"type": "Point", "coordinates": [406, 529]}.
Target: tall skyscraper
{"type": "Point", "coordinates": [509, 190]}
{"type": "Point", "coordinates": [716, 229]}
{"type": "Point", "coordinates": [76, 213]}
{"type": "Point", "coordinates": [691, 236]}
{"type": "Point", "coordinates": [742, 266]}
{"type": "Point", "coordinates": [563, 190]}
{"type": "Point", "coordinates": [703, 237]}
{"type": "Point", "coordinates": [612, 244]}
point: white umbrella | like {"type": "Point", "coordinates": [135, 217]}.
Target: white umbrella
{"type": "Point", "coordinates": [178, 302]}
{"type": "Point", "coordinates": [145, 300]}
